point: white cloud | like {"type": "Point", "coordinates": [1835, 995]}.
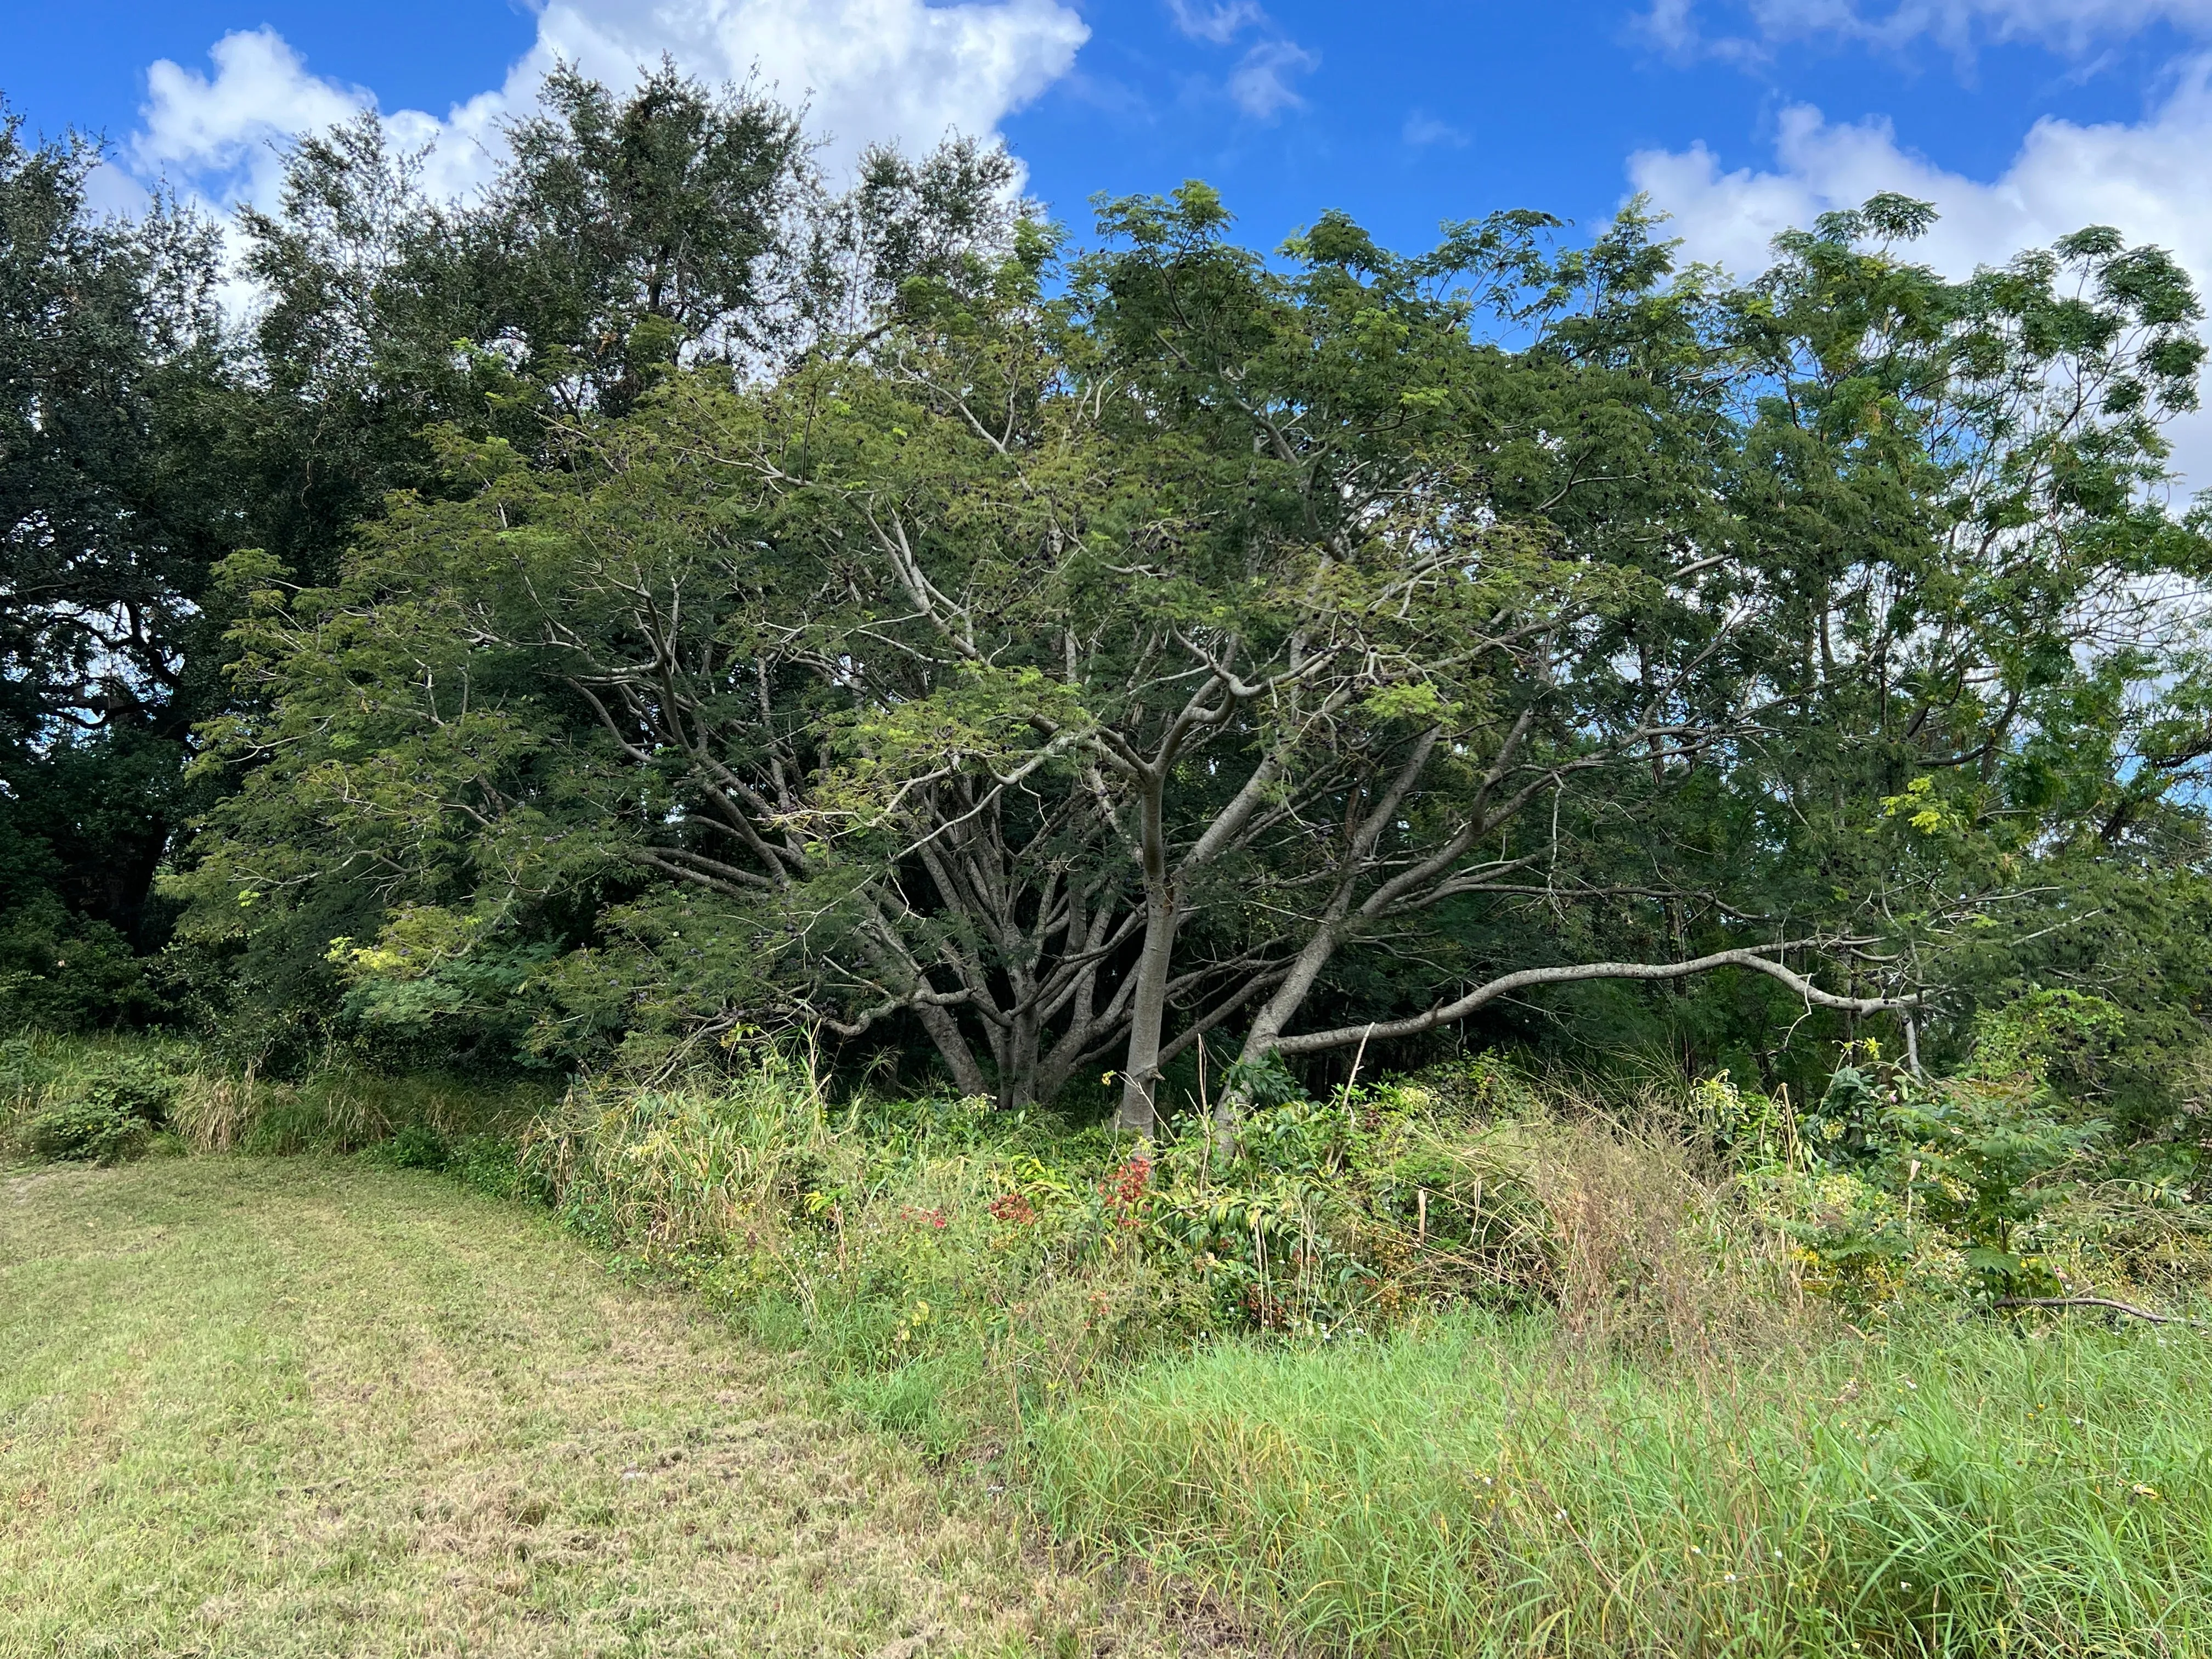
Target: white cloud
{"type": "Point", "coordinates": [1220, 21]}
{"type": "Point", "coordinates": [871, 70]}
{"type": "Point", "coordinates": [2147, 178]}
{"type": "Point", "coordinates": [1261, 85]}
{"type": "Point", "coordinates": [217, 132]}
{"type": "Point", "coordinates": [2070, 26]}
{"type": "Point", "coordinates": [110, 189]}
{"type": "Point", "coordinates": [876, 70]}
{"type": "Point", "coordinates": [1423, 129]}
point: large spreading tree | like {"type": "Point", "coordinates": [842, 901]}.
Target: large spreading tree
{"type": "Point", "coordinates": [1075, 657]}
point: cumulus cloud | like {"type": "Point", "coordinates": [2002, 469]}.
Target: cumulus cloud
{"type": "Point", "coordinates": [2149, 179]}
{"type": "Point", "coordinates": [871, 71]}
{"type": "Point", "coordinates": [1261, 84]}
{"type": "Point", "coordinates": [874, 70]}
{"type": "Point", "coordinates": [216, 131]}
{"type": "Point", "coordinates": [1747, 31]}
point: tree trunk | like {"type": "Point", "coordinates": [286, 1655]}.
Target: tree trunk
{"type": "Point", "coordinates": [1268, 1025]}
{"type": "Point", "coordinates": [959, 1059]}
{"type": "Point", "coordinates": [1140, 1072]}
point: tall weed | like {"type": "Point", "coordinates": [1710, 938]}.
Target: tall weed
{"type": "Point", "coordinates": [105, 1098]}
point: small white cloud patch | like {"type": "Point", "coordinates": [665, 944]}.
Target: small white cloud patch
{"type": "Point", "coordinates": [2074, 26]}
{"type": "Point", "coordinates": [1423, 132]}
{"type": "Point", "coordinates": [1220, 22]}
{"type": "Point", "coordinates": [1261, 85]}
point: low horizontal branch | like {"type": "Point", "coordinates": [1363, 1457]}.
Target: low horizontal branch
{"type": "Point", "coordinates": [1754, 957]}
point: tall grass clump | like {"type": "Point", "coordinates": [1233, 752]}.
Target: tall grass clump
{"type": "Point", "coordinates": [1477, 1485]}
{"type": "Point", "coordinates": [106, 1098]}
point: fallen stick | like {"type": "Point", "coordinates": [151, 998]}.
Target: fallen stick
{"type": "Point", "coordinates": [2095, 1301]}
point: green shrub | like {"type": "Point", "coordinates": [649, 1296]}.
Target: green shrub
{"type": "Point", "coordinates": [97, 1102]}
{"type": "Point", "coordinates": [60, 972]}
{"type": "Point", "coordinates": [94, 1129]}
{"type": "Point", "coordinates": [413, 1146]}
{"type": "Point", "coordinates": [486, 1162]}
{"type": "Point", "coordinates": [1984, 1186]}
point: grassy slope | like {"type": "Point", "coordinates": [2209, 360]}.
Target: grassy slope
{"type": "Point", "coordinates": [297, 1407]}
{"type": "Point", "coordinates": [1478, 1488]}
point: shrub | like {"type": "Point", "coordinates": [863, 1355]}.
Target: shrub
{"type": "Point", "coordinates": [96, 1101]}
{"type": "Point", "coordinates": [60, 972]}
{"type": "Point", "coordinates": [96, 1128]}
{"type": "Point", "coordinates": [1985, 1186]}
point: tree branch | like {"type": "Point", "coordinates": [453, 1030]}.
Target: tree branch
{"type": "Point", "coordinates": [1750, 957]}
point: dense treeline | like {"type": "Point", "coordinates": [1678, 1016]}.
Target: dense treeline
{"type": "Point", "coordinates": [664, 599]}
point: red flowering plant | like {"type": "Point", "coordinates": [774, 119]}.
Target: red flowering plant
{"type": "Point", "coordinates": [1126, 1191]}
{"type": "Point", "coordinates": [1014, 1209]}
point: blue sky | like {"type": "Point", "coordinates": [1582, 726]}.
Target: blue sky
{"type": "Point", "coordinates": [2022, 118]}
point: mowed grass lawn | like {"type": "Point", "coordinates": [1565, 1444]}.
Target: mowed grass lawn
{"type": "Point", "coordinates": [292, 1407]}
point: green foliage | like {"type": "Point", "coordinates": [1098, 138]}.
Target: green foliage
{"type": "Point", "coordinates": [96, 1104]}
{"type": "Point", "coordinates": [1987, 1184]}
{"type": "Point", "coordinates": [816, 697]}
{"type": "Point", "coordinates": [106, 1098]}
{"type": "Point", "coordinates": [487, 1163]}
{"type": "Point", "coordinates": [95, 1128]}
{"type": "Point", "coordinates": [61, 972]}
{"type": "Point", "coordinates": [954, 1268]}
{"type": "Point", "coordinates": [114, 505]}
{"type": "Point", "coordinates": [1988, 1158]}
{"type": "Point", "coordinates": [1477, 1486]}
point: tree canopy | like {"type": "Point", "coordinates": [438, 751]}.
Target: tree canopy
{"type": "Point", "coordinates": [664, 598]}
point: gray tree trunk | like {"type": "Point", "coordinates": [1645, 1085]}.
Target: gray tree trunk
{"type": "Point", "coordinates": [1140, 1071]}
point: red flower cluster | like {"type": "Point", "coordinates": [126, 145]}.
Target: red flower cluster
{"type": "Point", "coordinates": [931, 1218]}
{"type": "Point", "coordinates": [1014, 1207]}
{"type": "Point", "coordinates": [1125, 1189]}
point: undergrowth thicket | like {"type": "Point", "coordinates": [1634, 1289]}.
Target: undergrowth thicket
{"type": "Point", "coordinates": [105, 1099]}
{"type": "Point", "coordinates": [1473, 1360]}
{"type": "Point", "coordinates": [956, 1270]}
